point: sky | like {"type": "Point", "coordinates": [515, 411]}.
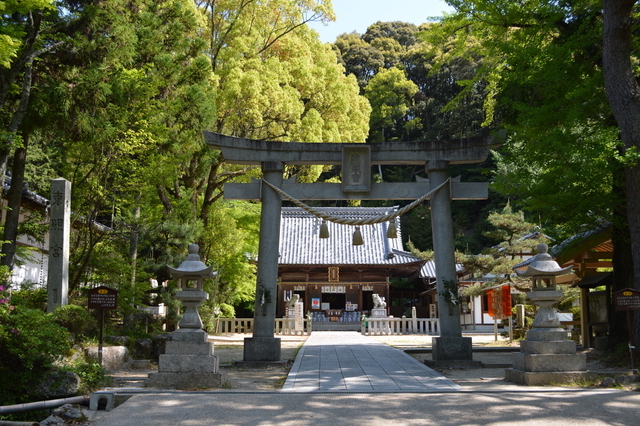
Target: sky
{"type": "Point", "coordinates": [357, 15]}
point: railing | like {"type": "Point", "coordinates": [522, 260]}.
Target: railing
{"type": "Point", "coordinates": [396, 326]}
{"type": "Point", "coordinates": [283, 326]}
{"type": "Point", "coordinates": [370, 327]}
{"type": "Point", "coordinates": [234, 326]}
{"type": "Point", "coordinates": [286, 326]}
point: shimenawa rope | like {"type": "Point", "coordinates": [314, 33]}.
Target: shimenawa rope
{"type": "Point", "coordinates": [356, 222]}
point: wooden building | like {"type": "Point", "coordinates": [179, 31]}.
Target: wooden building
{"type": "Point", "coordinates": [335, 279]}
{"type": "Point", "coordinates": [591, 255]}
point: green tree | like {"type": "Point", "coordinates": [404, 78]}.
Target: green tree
{"type": "Point", "coordinates": [29, 31]}
{"type": "Point", "coordinates": [563, 132]}
{"type": "Point", "coordinates": [543, 64]}
{"type": "Point", "coordinates": [622, 88]}
{"type": "Point", "coordinates": [516, 236]}
{"type": "Point", "coordinates": [228, 245]}
{"type": "Point", "coordinates": [359, 57]}
{"type": "Point", "coordinates": [448, 103]}
{"type": "Point", "coordinates": [147, 88]}
{"type": "Point", "coordinates": [391, 97]}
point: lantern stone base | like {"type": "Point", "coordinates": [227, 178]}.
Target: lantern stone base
{"type": "Point", "coordinates": [547, 378]}
{"type": "Point", "coordinates": [189, 363]}
{"type": "Point", "coordinates": [261, 349]}
{"type": "Point", "coordinates": [186, 381]}
{"type": "Point", "coordinates": [547, 357]}
{"type": "Point", "coordinates": [452, 352]}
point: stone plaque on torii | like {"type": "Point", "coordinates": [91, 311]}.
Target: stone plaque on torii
{"type": "Point", "coordinates": [356, 161]}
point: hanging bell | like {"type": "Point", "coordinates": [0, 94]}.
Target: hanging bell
{"type": "Point", "coordinates": [357, 237]}
{"type": "Point", "coordinates": [324, 229]}
{"type": "Point", "coordinates": [392, 230]}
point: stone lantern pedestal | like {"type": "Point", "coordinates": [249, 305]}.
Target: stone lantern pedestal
{"type": "Point", "coordinates": [546, 356]}
{"type": "Point", "coordinates": [188, 361]}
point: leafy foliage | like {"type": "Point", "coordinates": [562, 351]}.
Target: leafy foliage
{"type": "Point", "coordinates": [517, 238]}
{"type": "Point", "coordinates": [540, 63]}
{"type": "Point", "coordinates": [30, 343]}
{"type": "Point", "coordinates": [77, 320]}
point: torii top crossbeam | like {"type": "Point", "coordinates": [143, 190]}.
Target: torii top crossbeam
{"type": "Point", "coordinates": [250, 151]}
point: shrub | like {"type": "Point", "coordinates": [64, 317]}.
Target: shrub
{"type": "Point", "coordinates": [30, 297]}
{"type": "Point", "coordinates": [30, 343]}
{"type": "Point", "coordinates": [93, 376]}
{"type": "Point", "coordinates": [77, 320]}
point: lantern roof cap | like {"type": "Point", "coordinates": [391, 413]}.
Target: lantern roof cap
{"type": "Point", "coordinates": [543, 264]}
{"type": "Point", "coordinates": [192, 265]}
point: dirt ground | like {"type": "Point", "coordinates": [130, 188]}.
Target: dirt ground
{"type": "Point", "coordinates": [230, 353]}
{"type": "Point", "coordinates": [241, 378]}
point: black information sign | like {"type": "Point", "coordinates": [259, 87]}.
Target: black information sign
{"type": "Point", "coordinates": [627, 299]}
{"type": "Point", "coordinates": [103, 298]}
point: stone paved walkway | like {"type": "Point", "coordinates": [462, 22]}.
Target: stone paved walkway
{"type": "Point", "coordinates": [345, 361]}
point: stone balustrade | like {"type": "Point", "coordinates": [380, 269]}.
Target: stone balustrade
{"type": "Point", "coordinates": [370, 327]}
{"type": "Point", "coordinates": [283, 326]}
{"type": "Point", "coordinates": [400, 326]}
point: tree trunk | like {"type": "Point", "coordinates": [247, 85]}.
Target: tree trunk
{"type": "Point", "coordinates": [14, 197]}
{"type": "Point", "coordinates": [622, 278]}
{"type": "Point", "coordinates": [623, 94]}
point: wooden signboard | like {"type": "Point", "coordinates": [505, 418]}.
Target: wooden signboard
{"type": "Point", "coordinates": [103, 298]}
{"type": "Point", "coordinates": [500, 302]}
{"type": "Point", "coordinates": [628, 300]}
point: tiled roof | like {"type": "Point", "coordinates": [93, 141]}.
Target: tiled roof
{"type": "Point", "coordinates": [300, 243]}
{"type": "Point", "coordinates": [428, 270]}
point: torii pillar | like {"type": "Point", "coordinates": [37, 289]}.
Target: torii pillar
{"type": "Point", "coordinates": [450, 346]}
{"type": "Point", "coordinates": [355, 160]}
{"type": "Point", "coordinates": [263, 346]}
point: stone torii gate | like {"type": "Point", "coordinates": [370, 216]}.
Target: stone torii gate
{"type": "Point", "coordinates": [355, 160]}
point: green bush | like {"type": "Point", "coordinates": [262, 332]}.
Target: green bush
{"type": "Point", "coordinates": [77, 320]}
{"type": "Point", "coordinates": [93, 376]}
{"type": "Point", "coordinates": [30, 297]}
{"type": "Point", "coordinates": [30, 343]}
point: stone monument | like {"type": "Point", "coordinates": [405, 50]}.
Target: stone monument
{"type": "Point", "coordinates": [188, 361]}
{"type": "Point", "coordinates": [59, 231]}
{"type": "Point", "coordinates": [546, 355]}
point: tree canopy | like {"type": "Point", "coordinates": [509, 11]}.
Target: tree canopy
{"type": "Point", "coordinates": [117, 103]}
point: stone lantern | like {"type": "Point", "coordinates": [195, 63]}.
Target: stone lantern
{"type": "Point", "coordinates": [543, 272]}
{"type": "Point", "coordinates": [546, 355]}
{"type": "Point", "coordinates": [188, 361]}
{"type": "Point", "coordinates": [191, 275]}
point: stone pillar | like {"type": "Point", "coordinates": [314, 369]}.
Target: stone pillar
{"type": "Point", "coordinates": [60, 225]}
{"type": "Point", "coordinates": [263, 346]}
{"type": "Point", "coordinates": [450, 346]}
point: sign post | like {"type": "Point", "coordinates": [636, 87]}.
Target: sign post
{"type": "Point", "coordinates": [628, 300]}
{"type": "Point", "coordinates": [500, 308]}
{"type": "Point", "coordinates": [102, 298]}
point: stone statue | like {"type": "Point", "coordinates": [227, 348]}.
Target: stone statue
{"type": "Point", "coordinates": [291, 303]}
{"type": "Point", "coordinates": [378, 302]}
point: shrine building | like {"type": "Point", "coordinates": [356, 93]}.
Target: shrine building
{"type": "Point", "coordinates": [334, 278]}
